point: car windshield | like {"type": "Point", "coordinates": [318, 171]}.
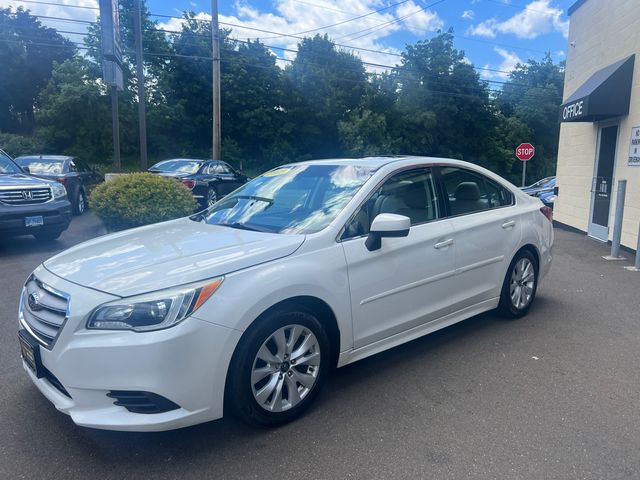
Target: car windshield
{"type": "Point", "coordinates": [40, 166]}
{"type": "Point", "coordinates": [179, 166]}
{"type": "Point", "coordinates": [7, 166]}
{"type": "Point", "coordinates": [292, 199]}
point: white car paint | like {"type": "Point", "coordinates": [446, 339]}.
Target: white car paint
{"type": "Point", "coordinates": [379, 298]}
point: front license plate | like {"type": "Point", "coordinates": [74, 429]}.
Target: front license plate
{"type": "Point", "coordinates": [30, 352]}
{"type": "Point", "coordinates": [33, 221]}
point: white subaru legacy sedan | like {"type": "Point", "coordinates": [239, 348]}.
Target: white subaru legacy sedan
{"type": "Point", "coordinates": [247, 306]}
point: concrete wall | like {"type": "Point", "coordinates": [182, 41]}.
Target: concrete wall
{"type": "Point", "coordinates": [604, 32]}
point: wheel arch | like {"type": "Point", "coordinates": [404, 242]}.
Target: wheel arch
{"type": "Point", "coordinates": [312, 304]}
{"type": "Point", "coordinates": [317, 307]}
{"type": "Point", "coordinates": [529, 247]}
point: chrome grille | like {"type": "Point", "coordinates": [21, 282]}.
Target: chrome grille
{"type": "Point", "coordinates": [43, 311]}
{"type": "Point", "coordinates": [25, 196]}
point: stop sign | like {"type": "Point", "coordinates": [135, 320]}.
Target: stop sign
{"type": "Point", "coordinates": [525, 152]}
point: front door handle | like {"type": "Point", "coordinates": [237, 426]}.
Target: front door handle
{"type": "Point", "coordinates": [509, 224]}
{"type": "Point", "coordinates": [443, 244]}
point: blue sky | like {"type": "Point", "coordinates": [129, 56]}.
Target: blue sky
{"type": "Point", "coordinates": [494, 34]}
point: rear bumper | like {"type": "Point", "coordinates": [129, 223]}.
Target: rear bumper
{"type": "Point", "coordinates": [56, 214]}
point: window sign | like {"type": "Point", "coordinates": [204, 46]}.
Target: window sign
{"type": "Point", "coordinates": [634, 147]}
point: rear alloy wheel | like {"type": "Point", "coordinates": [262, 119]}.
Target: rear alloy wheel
{"type": "Point", "coordinates": [80, 204]}
{"type": "Point", "coordinates": [212, 196]}
{"type": "Point", "coordinates": [520, 285]}
{"type": "Point", "coordinates": [279, 369]}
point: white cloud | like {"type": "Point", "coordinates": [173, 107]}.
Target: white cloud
{"type": "Point", "coordinates": [468, 14]}
{"type": "Point", "coordinates": [300, 19]}
{"type": "Point", "coordinates": [508, 64]}
{"type": "Point", "coordinates": [537, 18]}
{"type": "Point", "coordinates": [86, 14]}
{"type": "Point", "coordinates": [417, 20]}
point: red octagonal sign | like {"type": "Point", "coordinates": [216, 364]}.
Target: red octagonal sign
{"type": "Point", "coordinates": [525, 152]}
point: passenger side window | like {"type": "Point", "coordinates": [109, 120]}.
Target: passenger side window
{"type": "Point", "coordinates": [470, 192]}
{"type": "Point", "coordinates": [411, 193]}
{"type": "Point", "coordinates": [72, 166]}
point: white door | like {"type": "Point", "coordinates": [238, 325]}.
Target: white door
{"type": "Point", "coordinates": [407, 282]}
{"type": "Point", "coordinates": [487, 233]}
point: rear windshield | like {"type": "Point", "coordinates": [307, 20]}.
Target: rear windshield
{"type": "Point", "coordinates": [181, 166]}
{"type": "Point", "coordinates": [42, 167]}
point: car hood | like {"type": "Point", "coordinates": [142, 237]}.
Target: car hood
{"type": "Point", "coordinates": [21, 180]}
{"type": "Point", "coordinates": [166, 255]}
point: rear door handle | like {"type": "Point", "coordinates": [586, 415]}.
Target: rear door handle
{"type": "Point", "coordinates": [509, 224]}
{"type": "Point", "coordinates": [443, 244]}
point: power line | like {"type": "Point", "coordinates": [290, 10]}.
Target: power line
{"type": "Point", "coordinates": [55, 4]}
{"type": "Point", "coordinates": [349, 20]}
{"type": "Point", "coordinates": [371, 30]}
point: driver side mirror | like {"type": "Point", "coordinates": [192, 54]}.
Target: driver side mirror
{"type": "Point", "coordinates": [26, 170]}
{"type": "Point", "coordinates": [387, 225]}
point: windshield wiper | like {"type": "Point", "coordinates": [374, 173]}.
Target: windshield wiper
{"type": "Point", "coordinates": [253, 197]}
{"type": "Point", "coordinates": [242, 226]}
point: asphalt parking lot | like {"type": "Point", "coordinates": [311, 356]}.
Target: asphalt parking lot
{"type": "Point", "coordinates": [555, 395]}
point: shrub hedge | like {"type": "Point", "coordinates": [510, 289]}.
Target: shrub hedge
{"type": "Point", "coordinates": [136, 199]}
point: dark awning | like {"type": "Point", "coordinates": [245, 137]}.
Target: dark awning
{"type": "Point", "coordinates": [606, 94]}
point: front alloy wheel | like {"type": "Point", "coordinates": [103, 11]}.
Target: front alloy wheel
{"type": "Point", "coordinates": [285, 368]}
{"type": "Point", "coordinates": [278, 368]}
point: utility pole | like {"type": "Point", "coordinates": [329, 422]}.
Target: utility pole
{"type": "Point", "coordinates": [116, 128]}
{"type": "Point", "coordinates": [215, 44]}
{"type": "Point", "coordinates": [142, 114]}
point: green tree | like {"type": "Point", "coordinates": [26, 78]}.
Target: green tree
{"type": "Point", "coordinates": [327, 84]}
{"type": "Point", "coordinates": [533, 95]}
{"type": "Point", "coordinates": [28, 51]}
{"type": "Point", "coordinates": [74, 112]}
{"type": "Point", "coordinates": [444, 107]}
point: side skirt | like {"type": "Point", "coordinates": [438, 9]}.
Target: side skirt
{"type": "Point", "coordinates": [416, 332]}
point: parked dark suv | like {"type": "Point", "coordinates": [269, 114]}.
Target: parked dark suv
{"type": "Point", "coordinates": [29, 205]}
{"type": "Point", "coordinates": [77, 177]}
{"type": "Point", "coordinates": [209, 180]}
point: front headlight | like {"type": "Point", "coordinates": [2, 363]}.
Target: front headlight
{"type": "Point", "coordinates": [58, 190]}
{"type": "Point", "coordinates": [153, 311]}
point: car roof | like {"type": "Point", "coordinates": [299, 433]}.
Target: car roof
{"type": "Point", "coordinates": [380, 161]}
{"type": "Point", "coordinates": [46, 158]}
{"type": "Point", "coordinates": [183, 160]}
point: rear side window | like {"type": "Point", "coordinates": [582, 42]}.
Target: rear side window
{"type": "Point", "coordinates": [470, 192]}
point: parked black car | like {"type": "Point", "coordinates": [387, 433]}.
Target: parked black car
{"type": "Point", "coordinates": [209, 180]}
{"type": "Point", "coordinates": [29, 205]}
{"type": "Point", "coordinates": [77, 177]}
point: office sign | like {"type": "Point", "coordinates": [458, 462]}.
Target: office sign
{"type": "Point", "coordinates": [634, 147]}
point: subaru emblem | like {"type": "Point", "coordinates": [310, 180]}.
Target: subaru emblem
{"type": "Point", "coordinates": [34, 302]}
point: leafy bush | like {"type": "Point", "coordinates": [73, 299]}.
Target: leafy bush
{"type": "Point", "coordinates": [137, 199]}
{"type": "Point", "coordinates": [16, 145]}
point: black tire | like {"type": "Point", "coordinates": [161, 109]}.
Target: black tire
{"type": "Point", "coordinates": [48, 235]}
{"type": "Point", "coordinates": [240, 390]}
{"type": "Point", "coordinates": [211, 198]}
{"type": "Point", "coordinates": [508, 307]}
{"type": "Point", "coordinates": [80, 203]}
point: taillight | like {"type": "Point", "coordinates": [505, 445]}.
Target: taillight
{"type": "Point", "coordinates": [189, 184]}
{"type": "Point", "coordinates": [547, 212]}
{"type": "Point", "coordinates": [62, 180]}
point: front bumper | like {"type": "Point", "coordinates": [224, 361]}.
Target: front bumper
{"type": "Point", "coordinates": [186, 364]}
{"type": "Point", "coordinates": [56, 214]}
